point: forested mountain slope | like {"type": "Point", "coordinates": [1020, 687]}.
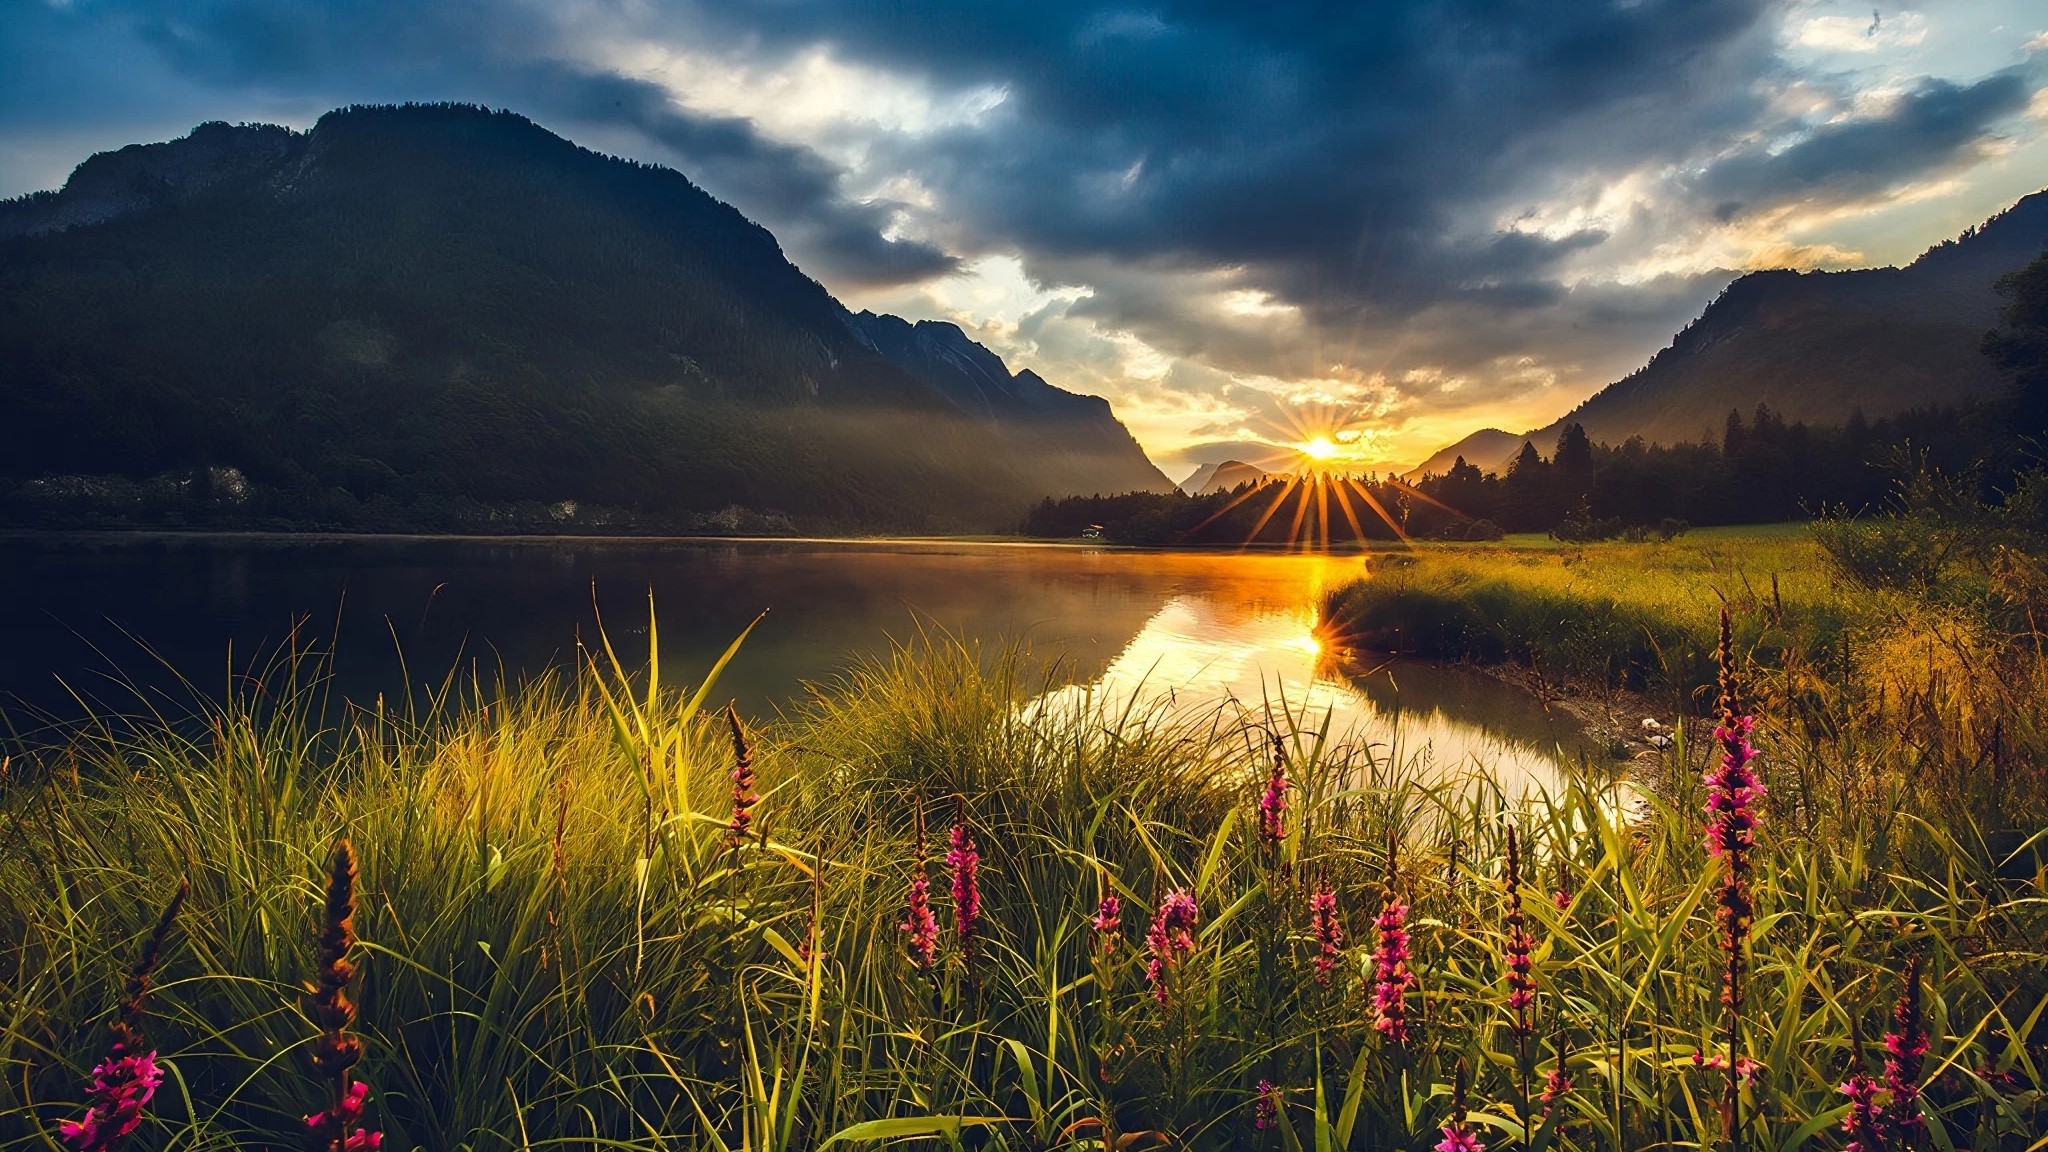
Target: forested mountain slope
{"type": "Point", "coordinates": [443, 317]}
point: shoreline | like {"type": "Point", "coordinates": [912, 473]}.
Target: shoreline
{"type": "Point", "coordinates": [979, 540]}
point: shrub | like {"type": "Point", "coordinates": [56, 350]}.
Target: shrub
{"type": "Point", "coordinates": [1886, 552]}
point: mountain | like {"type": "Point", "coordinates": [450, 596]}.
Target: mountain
{"type": "Point", "coordinates": [1488, 450]}
{"type": "Point", "coordinates": [1819, 346]}
{"type": "Point", "coordinates": [1073, 435]}
{"type": "Point", "coordinates": [1222, 477]}
{"type": "Point", "coordinates": [443, 317]}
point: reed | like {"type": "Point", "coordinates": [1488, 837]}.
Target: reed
{"type": "Point", "coordinates": [537, 932]}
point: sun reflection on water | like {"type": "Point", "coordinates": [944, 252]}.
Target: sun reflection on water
{"type": "Point", "coordinates": [1207, 648]}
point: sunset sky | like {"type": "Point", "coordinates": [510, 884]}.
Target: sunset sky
{"type": "Point", "coordinates": [1409, 219]}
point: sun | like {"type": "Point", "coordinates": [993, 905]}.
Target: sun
{"type": "Point", "coordinates": [1319, 448]}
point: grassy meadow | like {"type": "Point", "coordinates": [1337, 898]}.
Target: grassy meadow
{"type": "Point", "coordinates": [947, 919]}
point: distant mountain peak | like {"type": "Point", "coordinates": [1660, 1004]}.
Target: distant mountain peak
{"type": "Point", "coordinates": [1488, 450]}
{"type": "Point", "coordinates": [1222, 476]}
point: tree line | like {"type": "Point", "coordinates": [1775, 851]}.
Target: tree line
{"type": "Point", "coordinates": [1761, 470]}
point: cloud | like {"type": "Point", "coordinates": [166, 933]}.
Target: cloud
{"type": "Point", "coordinates": [515, 55]}
{"type": "Point", "coordinates": [1927, 128]}
{"type": "Point", "coordinates": [1434, 209]}
{"type": "Point", "coordinates": [792, 187]}
{"type": "Point", "coordinates": [1874, 33]}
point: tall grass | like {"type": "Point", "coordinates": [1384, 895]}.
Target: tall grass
{"type": "Point", "coordinates": [1878, 701]}
{"type": "Point", "coordinates": [561, 942]}
{"type": "Point", "coordinates": [1625, 614]}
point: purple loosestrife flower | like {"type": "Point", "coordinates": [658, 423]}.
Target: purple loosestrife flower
{"type": "Point", "coordinates": [1458, 1135]}
{"type": "Point", "coordinates": [1391, 976]}
{"type": "Point", "coordinates": [1734, 789]}
{"type": "Point", "coordinates": [1745, 1068]}
{"type": "Point", "coordinates": [964, 862]}
{"type": "Point", "coordinates": [918, 922]}
{"type": "Point", "coordinates": [1555, 1085]}
{"type": "Point", "coordinates": [339, 1116]}
{"type": "Point", "coordinates": [1519, 946]}
{"type": "Point", "coordinates": [121, 1089]}
{"type": "Point", "coordinates": [1171, 936]}
{"type": "Point", "coordinates": [743, 795]}
{"type": "Point", "coordinates": [1273, 802]}
{"type": "Point", "coordinates": [1905, 1048]}
{"type": "Point", "coordinates": [123, 1083]}
{"type": "Point", "coordinates": [1559, 1081]}
{"type": "Point", "coordinates": [1864, 1125]}
{"type": "Point", "coordinates": [1266, 1112]}
{"type": "Point", "coordinates": [337, 1050]}
{"type": "Point", "coordinates": [1733, 793]}
{"type": "Point", "coordinates": [1459, 1139]}
{"type": "Point", "coordinates": [1329, 931]}
{"type": "Point", "coordinates": [1109, 921]}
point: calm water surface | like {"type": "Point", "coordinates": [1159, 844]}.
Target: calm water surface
{"type": "Point", "coordinates": [88, 614]}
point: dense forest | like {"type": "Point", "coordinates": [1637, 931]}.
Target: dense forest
{"type": "Point", "coordinates": [1762, 469]}
{"type": "Point", "coordinates": [443, 318]}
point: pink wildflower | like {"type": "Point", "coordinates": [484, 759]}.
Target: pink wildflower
{"type": "Point", "coordinates": [342, 1114]}
{"type": "Point", "coordinates": [1459, 1138]}
{"type": "Point", "coordinates": [1109, 921]}
{"type": "Point", "coordinates": [123, 1083]}
{"type": "Point", "coordinates": [1329, 933]}
{"type": "Point", "coordinates": [743, 797]}
{"type": "Point", "coordinates": [338, 1050]}
{"type": "Point", "coordinates": [1266, 1112]}
{"type": "Point", "coordinates": [1172, 934]}
{"type": "Point", "coordinates": [1864, 1125]}
{"type": "Point", "coordinates": [1733, 793]}
{"type": "Point", "coordinates": [1458, 1135]}
{"type": "Point", "coordinates": [1555, 1086]}
{"type": "Point", "coordinates": [121, 1088]}
{"type": "Point", "coordinates": [918, 922]}
{"type": "Point", "coordinates": [1520, 945]}
{"type": "Point", "coordinates": [1905, 1049]}
{"type": "Point", "coordinates": [1392, 978]}
{"type": "Point", "coordinates": [1558, 1082]}
{"type": "Point", "coordinates": [1273, 803]}
{"type": "Point", "coordinates": [964, 862]}
{"type": "Point", "coordinates": [1745, 1068]}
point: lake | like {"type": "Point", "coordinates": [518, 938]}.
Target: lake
{"type": "Point", "coordinates": [100, 615]}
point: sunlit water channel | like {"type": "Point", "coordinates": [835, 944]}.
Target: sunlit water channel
{"type": "Point", "coordinates": [1200, 629]}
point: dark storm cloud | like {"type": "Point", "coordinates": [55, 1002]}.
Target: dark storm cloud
{"type": "Point", "coordinates": [1329, 135]}
{"type": "Point", "coordinates": [1353, 160]}
{"type": "Point", "coordinates": [793, 187]}
{"type": "Point", "coordinates": [1357, 162]}
{"type": "Point", "coordinates": [1928, 127]}
{"type": "Point", "coordinates": [349, 51]}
